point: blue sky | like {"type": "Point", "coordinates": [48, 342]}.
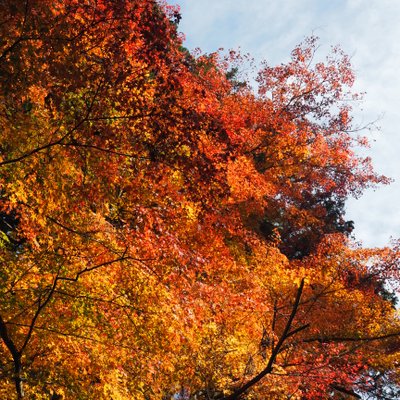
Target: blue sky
{"type": "Point", "coordinates": [367, 30]}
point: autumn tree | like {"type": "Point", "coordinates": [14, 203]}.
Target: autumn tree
{"type": "Point", "coordinates": [166, 231]}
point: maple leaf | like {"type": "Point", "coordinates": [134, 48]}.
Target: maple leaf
{"type": "Point", "coordinates": [166, 231]}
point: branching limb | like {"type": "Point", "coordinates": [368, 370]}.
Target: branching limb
{"type": "Point", "coordinates": [16, 356]}
{"type": "Point", "coordinates": [276, 350]}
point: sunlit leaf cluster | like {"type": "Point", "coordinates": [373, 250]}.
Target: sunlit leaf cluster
{"type": "Point", "coordinates": [169, 232]}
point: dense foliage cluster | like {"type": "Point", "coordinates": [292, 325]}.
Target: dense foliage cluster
{"type": "Point", "coordinates": [168, 233]}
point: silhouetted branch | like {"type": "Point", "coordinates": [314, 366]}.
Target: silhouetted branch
{"type": "Point", "coordinates": [276, 350]}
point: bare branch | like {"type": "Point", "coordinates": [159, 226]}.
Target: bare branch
{"type": "Point", "coordinates": [276, 350]}
{"type": "Point", "coordinates": [345, 391]}
{"type": "Point", "coordinates": [329, 339]}
{"type": "Point", "coordinates": [16, 356]}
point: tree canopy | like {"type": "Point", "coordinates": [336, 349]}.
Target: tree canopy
{"type": "Point", "coordinates": [168, 232]}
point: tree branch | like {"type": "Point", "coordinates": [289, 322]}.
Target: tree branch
{"type": "Point", "coordinates": [345, 391]}
{"type": "Point", "coordinates": [276, 350]}
{"type": "Point", "coordinates": [16, 356]}
{"type": "Point", "coordinates": [59, 141]}
{"type": "Point", "coordinates": [328, 339]}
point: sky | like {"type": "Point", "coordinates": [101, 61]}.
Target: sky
{"type": "Point", "coordinates": [367, 30]}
